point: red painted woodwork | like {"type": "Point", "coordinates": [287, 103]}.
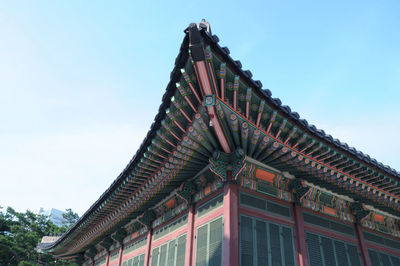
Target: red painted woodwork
{"type": "Point", "coordinates": [107, 258]}
{"type": "Point", "coordinates": [230, 243]}
{"type": "Point", "coordinates": [213, 78]}
{"type": "Point", "coordinates": [190, 234]}
{"type": "Point", "coordinates": [148, 248]}
{"type": "Point", "coordinates": [222, 88]}
{"type": "Point", "coordinates": [301, 245]}
{"type": "Point", "coordinates": [121, 252]}
{"type": "Point", "coordinates": [362, 245]}
{"type": "Point", "coordinates": [265, 175]}
{"type": "Point", "coordinates": [205, 85]}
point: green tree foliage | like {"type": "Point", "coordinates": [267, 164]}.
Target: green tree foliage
{"type": "Point", "coordinates": [19, 235]}
{"type": "Point", "coordinates": [70, 218]}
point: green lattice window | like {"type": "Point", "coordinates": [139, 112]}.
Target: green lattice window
{"type": "Point", "coordinates": [135, 245]}
{"type": "Point", "coordinates": [171, 253]}
{"type": "Point", "coordinates": [377, 239]}
{"type": "Point", "coordinates": [171, 227]}
{"type": "Point", "coordinates": [328, 224]}
{"type": "Point", "coordinates": [209, 243]}
{"type": "Point", "coordinates": [210, 205]}
{"type": "Point", "coordinates": [382, 259]}
{"type": "Point", "coordinates": [326, 251]}
{"type": "Point", "coordinates": [265, 244]}
{"type": "Point", "coordinates": [135, 261]}
{"type": "Point", "coordinates": [264, 205]}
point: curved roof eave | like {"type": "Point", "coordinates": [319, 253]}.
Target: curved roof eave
{"type": "Point", "coordinates": [294, 116]}
{"type": "Point", "coordinates": [257, 86]}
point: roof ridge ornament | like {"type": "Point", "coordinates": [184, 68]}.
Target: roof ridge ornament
{"type": "Point", "coordinates": [204, 24]}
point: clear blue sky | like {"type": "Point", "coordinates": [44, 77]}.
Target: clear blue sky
{"type": "Point", "coordinates": [81, 81]}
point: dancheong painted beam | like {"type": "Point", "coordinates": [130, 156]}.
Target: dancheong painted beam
{"type": "Point", "coordinates": [227, 175]}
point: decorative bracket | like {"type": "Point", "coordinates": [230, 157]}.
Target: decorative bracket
{"type": "Point", "coordinates": [358, 210]}
{"type": "Point", "coordinates": [80, 259]}
{"type": "Point", "coordinates": [298, 187]}
{"type": "Point", "coordinates": [147, 218]}
{"type": "Point", "coordinates": [120, 235]}
{"type": "Point", "coordinates": [92, 252]}
{"type": "Point", "coordinates": [227, 166]}
{"type": "Point", "coordinates": [135, 227]}
{"type": "Point", "coordinates": [187, 190]}
{"type": "Point", "coordinates": [107, 243]}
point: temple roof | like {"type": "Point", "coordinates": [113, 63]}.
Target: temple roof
{"type": "Point", "coordinates": [180, 114]}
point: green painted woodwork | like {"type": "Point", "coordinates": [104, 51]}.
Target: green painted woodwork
{"type": "Point", "coordinates": [358, 211]}
{"type": "Point", "coordinates": [224, 163]}
{"type": "Point", "coordinates": [171, 227]}
{"type": "Point", "coordinates": [326, 251]}
{"type": "Point", "coordinates": [382, 259]}
{"type": "Point", "coordinates": [210, 205]}
{"type": "Point", "coordinates": [92, 252]}
{"type": "Point", "coordinates": [80, 259]}
{"type": "Point", "coordinates": [264, 205]}
{"type": "Point", "coordinates": [298, 188]}
{"type": "Point", "coordinates": [209, 243]}
{"type": "Point", "coordinates": [135, 261]}
{"type": "Point", "coordinates": [171, 253]}
{"type": "Point", "coordinates": [189, 188]}
{"type": "Point", "coordinates": [328, 224]}
{"type": "Point", "coordinates": [381, 240]}
{"type": "Point", "coordinates": [265, 243]}
{"type": "Point", "coordinates": [135, 245]}
{"type": "Point", "coordinates": [107, 243]}
{"type": "Point", "coordinates": [147, 218]}
{"type": "Point", "coordinates": [120, 235]}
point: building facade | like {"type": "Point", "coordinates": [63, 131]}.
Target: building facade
{"type": "Point", "coordinates": [54, 215]}
{"type": "Point", "coordinates": [227, 175]}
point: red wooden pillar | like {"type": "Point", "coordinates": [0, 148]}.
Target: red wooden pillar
{"type": "Point", "coordinates": [301, 252]}
{"type": "Point", "coordinates": [108, 257]}
{"type": "Point", "coordinates": [230, 246]}
{"type": "Point", "coordinates": [121, 252]}
{"type": "Point", "coordinates": [362, 245]}
{"type": "Point", "coordinates": [148, 248]}
{"type": "Point", "coordinates": [190, 238]}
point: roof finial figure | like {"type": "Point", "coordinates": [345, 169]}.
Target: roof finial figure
{"type": "Point", "coordinates": [203, 24]}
